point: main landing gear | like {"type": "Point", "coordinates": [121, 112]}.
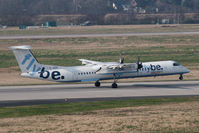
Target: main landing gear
{"type": "Point", "coordinates": [181, 77]}
{"type": "Point", "coordinates": [114, 85]}
{"type": "Point", "coordinates": [97, 84]}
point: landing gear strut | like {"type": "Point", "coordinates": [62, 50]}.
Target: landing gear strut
{"type": "Point", "coordinates": [181, 77]}
{"type": "Point", "coordinates": [114, 85]}
{"type": "Point", "coordinates": [97, 84]}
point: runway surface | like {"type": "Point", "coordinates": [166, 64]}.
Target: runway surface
{"type": "Point", "coordinates": [38, 94]}
{"type": "Point", "coordinates": [94, 35]}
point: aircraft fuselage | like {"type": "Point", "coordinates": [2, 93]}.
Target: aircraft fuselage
{"type": "Point", "coordinates": [91, 73]}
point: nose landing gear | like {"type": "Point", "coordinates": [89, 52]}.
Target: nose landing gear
{"type": "Point", "coordinates": [181, 77]}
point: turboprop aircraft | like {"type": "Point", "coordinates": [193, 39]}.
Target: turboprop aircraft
{"type": "Point", "coordinates": [93, 70]}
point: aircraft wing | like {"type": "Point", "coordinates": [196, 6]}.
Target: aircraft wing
{"type": "Point", "coordinates": [123, 66]}
{"type": "Point", "coordinates": [110, 65]}
{"type": "Point", "coordinates": [89, 62]}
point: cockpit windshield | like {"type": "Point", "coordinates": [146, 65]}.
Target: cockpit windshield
{"type": "Point", "coordinates": [176, 64]}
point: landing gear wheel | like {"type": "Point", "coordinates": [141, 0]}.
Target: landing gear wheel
{"type": "Point", "coordinates": [181, 77]}
{"type": "Point", "coordinates": [114, 85]}
{"type": "Point", "coordinates": [97, 84]}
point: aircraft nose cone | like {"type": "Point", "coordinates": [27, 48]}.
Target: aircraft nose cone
{"type": "Point", "coordinates": [186, 70]}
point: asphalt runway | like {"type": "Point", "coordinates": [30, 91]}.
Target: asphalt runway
{"type": "Point", "coordinates": [95, 35]}
{"type": "Point", "coordinates": [40, 94]}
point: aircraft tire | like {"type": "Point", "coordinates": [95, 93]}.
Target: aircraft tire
{"type": "Point", "coordinates": [114, 85]}
{"type": "Point", "coordinates": [181, 77]}
{"type": "Point", "coordinates": [97, 84]}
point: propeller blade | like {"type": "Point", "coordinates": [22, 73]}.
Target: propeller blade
{"type": "Point", "coordinates": [121, 59]}
{"type": "Point", "coordinates": [138, 60]}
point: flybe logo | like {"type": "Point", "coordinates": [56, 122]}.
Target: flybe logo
{"type": "Point", "coordinates": [152, 68]}
{"type": "Point", "coordinates": [55, 75]}
{"type": "Point", "coordinates": [31, 64]}
{"type": "Point", "coordinates": [155, 67]}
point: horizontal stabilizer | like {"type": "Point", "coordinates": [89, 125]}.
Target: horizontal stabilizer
{"type": "Point", "coordinates": [21, 47]}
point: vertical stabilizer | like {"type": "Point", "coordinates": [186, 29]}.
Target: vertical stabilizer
{"type": "Point", "coordinates": [26, 60]}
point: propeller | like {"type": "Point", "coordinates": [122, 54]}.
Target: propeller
{"type": "Point", "coordinates": [121, 59]}
{"type": "Point", "coordinates": [139, 64]}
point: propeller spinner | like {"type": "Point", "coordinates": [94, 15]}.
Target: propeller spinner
{"type": "Point", "coordinates": [139, 64]}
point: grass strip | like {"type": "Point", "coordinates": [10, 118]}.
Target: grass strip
{"type": "Point", "coordinates": [75, 107]}
{"type": "Point", "coordinates": [100, 29]}
{"type": "Point", "coordinates": [61, 58]}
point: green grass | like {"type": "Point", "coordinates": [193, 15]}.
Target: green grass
{"type": "Point", "coordinates": [100, 29]}
{"type": "Point", "coordinates": [185, 52]}
{"type": "Point", "coordinates": [184, 55]}
{"type": "Point", "coordinates": [71, 108]}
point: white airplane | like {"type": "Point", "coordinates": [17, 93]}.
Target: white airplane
{"type": "Point", "coordinates": [93, 70]}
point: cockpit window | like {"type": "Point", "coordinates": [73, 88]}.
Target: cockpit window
{"type": "Point", "coordinates": [176, 64]}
